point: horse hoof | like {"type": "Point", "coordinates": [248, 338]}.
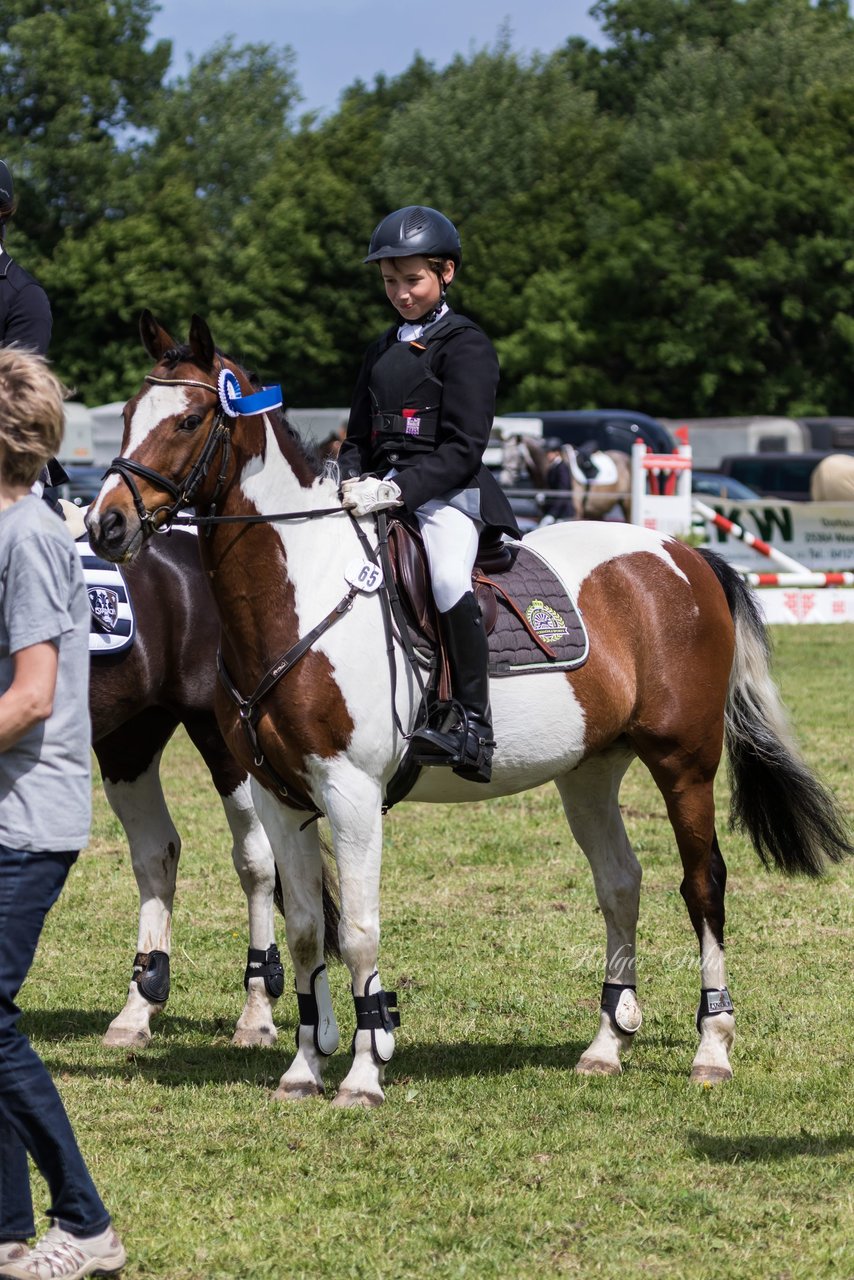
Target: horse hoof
{"type": "Point", "coordinates": [357, 1098]}
{"type": "Point", "coordinates": [126, 1038]}
{"type": "Point", "coordinates": [597, 1067]}
{"type": "Point", "coordinates": [254, 1037]}
{"type": "Point", "coordinates": [298, 1092]}
{"type": "Point", "coordinates": [710, 1075]}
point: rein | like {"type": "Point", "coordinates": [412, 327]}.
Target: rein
{"type": "Point", "coordinates": [183, 494]}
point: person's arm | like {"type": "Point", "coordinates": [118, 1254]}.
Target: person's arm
{"type": "Point", "coordinates": [29, 698]}
{"type": "Point", "coordinates": [28, 320]}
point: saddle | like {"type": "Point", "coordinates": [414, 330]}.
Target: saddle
{"type": "Point", "coordinates": [528, 616]}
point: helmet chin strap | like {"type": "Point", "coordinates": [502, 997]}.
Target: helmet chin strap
{"type": "Point", "coordinates": [433, 313]}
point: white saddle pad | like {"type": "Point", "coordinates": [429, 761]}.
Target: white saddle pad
{"type": "Point", "coordinates": [606, 470]}
{"type": "Point", "coordinates": [112, 624]}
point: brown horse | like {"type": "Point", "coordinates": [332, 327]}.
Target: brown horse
{"type": "Point", "coordinates": [137, 699]}
{"type": "Point", "coordinates": [678, 664]}
{"type": "Point", "coordinates": [594, 496]}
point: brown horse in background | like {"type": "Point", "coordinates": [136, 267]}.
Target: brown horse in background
{"type": "Point", "coordinates": [137, 699]}
{"type": "Point", "coordinates": [593, 498]}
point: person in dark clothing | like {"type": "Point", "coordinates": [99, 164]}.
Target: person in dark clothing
{"type": "Point", "coordinates": [25, 320]}
{"type": "Point", "coordinates": [558, 477]}
{"type": "Point", "coordinates": [25, 317]}
{"type": "Point", "coordinates": [419, 424]}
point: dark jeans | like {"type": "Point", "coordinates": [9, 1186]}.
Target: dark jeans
{"type": "Point", "coordinates": [32, 1117]}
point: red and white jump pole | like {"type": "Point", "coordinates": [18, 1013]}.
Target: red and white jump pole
{"type": "Point", "coordinates": [805, 579]}
{"type": "Point", "coordinates": [764, 548]}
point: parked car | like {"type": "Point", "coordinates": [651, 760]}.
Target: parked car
{"type": "Point", "coordinates": [775, 475]}
{"type": "Point", "coordinates": [84, 481]}
{"type": "Point", "coordinates": [610, 428]}
{"type": "Point", "coordinates": [711, 484]}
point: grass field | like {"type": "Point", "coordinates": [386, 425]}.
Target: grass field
{"type": "Point", "coordinates": [490, 1157]}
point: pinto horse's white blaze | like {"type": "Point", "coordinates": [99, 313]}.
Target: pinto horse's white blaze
{"type": "Point", "coordinates": [156, 404]}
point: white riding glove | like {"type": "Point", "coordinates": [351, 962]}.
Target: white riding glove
{"type": "Point", "coordinates": [364, 496]}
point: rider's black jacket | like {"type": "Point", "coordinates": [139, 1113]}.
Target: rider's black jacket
{"type": "Point", "coordinates": [25, 317]}
{"type": "Point", "coordinates": [425, 409]}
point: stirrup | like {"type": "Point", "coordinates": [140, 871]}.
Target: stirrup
{"type": "Point", "coordinates": [435, 747]}
{"type": "Point", "coordinates": [476, 766]}
{"type": "Point", "coordinates": [450, 747]}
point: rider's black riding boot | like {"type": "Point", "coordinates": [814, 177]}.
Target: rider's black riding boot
{"type": "Point", "coordinates": [463, 741]}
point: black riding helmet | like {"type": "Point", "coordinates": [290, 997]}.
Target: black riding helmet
{"type": "Point", "coordinates": [415, 230]}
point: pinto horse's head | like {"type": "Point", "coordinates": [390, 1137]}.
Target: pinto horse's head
{"type": "Point", "coordinates": [176, 442]}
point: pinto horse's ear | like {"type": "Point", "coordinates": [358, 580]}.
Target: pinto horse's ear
{"type": "Point", "coordinates": [154, 337]}
{"type": "Point", "coordinates": [201, 343]}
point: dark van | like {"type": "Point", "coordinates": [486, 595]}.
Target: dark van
{"type": "Point", "coordinates": [775, 475]}
{"type": "Point", "coordinates": [610, 428]}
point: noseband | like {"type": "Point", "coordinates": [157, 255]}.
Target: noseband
{"type": "Point", "coordinates": [185, 491]}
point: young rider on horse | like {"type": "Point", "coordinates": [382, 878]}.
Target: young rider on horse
{"type": "Point", "coordinates": [419, 423]}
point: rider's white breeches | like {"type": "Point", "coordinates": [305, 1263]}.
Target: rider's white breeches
{"type": "Point", "coordinates": [450, 538]}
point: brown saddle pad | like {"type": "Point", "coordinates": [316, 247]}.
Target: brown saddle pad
{"type": "Point", "coordinates": [530, 618]}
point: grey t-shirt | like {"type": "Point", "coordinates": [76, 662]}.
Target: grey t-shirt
{"type": "Point", "coordinates": [45, 779]}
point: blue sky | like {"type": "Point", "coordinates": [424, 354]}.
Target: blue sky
{"type": "Point", "coordinates": [338, 41]}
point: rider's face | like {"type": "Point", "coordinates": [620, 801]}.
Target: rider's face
{"type": "Point", "coordinates": [412, 287]}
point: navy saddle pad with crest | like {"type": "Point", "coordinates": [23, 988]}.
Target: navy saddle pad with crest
{"type": "Point", "coordinates": [529, 615]}
{"type": "Point", "coordinates": [112, 622]}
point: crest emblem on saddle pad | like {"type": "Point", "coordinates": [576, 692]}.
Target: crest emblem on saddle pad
{"type": "Point", "coordinates": [546, 621]}
{"type": "Point", "coordinates": [104, 604]}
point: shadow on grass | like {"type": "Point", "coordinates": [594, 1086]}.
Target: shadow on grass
{"type": "Point", "coordinates": [171, 1059]}
{"type": "Point", "coordinates": [768, 1146]}
{"type": "Point", "coordinates": [62, 1024]}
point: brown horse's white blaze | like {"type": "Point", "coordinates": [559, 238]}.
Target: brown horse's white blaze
{"type": "Point", "coordinates": [661, 683]}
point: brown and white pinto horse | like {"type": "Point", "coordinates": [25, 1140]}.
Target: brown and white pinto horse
{"type": "Point", "coordinates": [137, 699]}
{"type": "Point", "coordinates": [678, 662]}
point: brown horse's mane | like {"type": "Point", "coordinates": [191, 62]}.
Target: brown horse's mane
{"type": "Point", "coordinates": [183, 354]}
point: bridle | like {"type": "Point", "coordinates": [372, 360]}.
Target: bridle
{"type": "Point", "coordinates": [219, 438]}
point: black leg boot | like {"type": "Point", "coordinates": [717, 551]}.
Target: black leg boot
{"type": "Point", "coordinates": [464, 742]}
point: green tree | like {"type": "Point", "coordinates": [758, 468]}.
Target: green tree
{"type": "Point", "coordinates": [513, 152]}
{"type": "Point", "coordinates": [720, 279]}
{"type": "Point", "coordinates": [77, 82]}
{"type": "Point", "coordinates": [297, 302]}
{"type": "Point", "coordinates": [641, 36]}
{"type": "Point", "coordinates": [222, 123]}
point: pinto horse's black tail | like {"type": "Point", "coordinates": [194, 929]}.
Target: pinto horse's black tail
{"type": "Point", "coordinates": [792, 819]}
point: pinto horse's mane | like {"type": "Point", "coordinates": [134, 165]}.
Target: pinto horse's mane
{"type": "Point", "coordinates": [183, 354]}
